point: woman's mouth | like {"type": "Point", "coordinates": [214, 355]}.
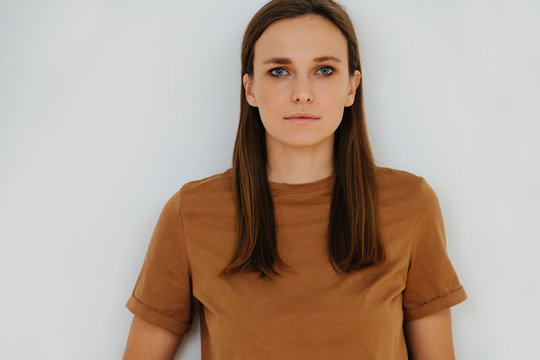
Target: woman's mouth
{"type": "Point", "coordinates": [302, 118]}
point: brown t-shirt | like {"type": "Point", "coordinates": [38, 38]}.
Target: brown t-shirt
{"type": "Point", "coordinates": [314, 313]}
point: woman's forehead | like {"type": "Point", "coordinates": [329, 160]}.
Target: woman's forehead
{"type": "Point", "coordinates": [301, 39]}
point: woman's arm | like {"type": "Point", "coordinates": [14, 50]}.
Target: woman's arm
{"type": "Point", "coordinates": [150, 342]}
{"type": "Point", "coordinates": [430, 337]}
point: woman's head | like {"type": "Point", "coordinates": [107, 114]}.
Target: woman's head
{"type": "Point", "coordinates": [301, 65]}
{"type": "Point", "coordinates": [301, 30]}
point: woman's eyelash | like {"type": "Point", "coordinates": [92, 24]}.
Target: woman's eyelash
{"type": "Point", "coordinates": [322, 67]}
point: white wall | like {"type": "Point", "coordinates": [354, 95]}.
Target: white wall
{"type": "Point", "coordinates": [108, 107]}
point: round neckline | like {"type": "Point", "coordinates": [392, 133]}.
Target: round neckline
{"type": "Point", "coordinates": [324, 183]}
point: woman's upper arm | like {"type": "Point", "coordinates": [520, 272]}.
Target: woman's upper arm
{"type": "Point", "coordinates": [150, 342]}
{"type": "Point", "coordinates": [430, 337]}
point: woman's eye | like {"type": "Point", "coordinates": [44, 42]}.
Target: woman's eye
{"type": "Point", "coordinates": [276, 69]}
{"type": "Point", "coordinates": [277, 72]}
{"type": "Point", "coordinates": [327, 67]}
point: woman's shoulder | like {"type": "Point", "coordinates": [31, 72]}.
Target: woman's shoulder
{"type": "Point", "coordinates": [208, 183]}
{"type": "Point", "coordinates": [211, 189]}
{"type": "Point", "coordinates": [393, 175]}
{"type": "Point", "coordinates": [398, 184]}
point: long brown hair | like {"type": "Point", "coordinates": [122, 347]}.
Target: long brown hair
{"type": "Point", "coordinates": [354, 235]}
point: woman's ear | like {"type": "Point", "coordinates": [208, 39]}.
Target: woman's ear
{"type": "Point", "coordinates": [353, 84]}
{"type": "Point", "coordinates": [248, 86]}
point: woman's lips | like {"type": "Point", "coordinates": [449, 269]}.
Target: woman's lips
{"type": "Point", "coordinates": [302, 117]}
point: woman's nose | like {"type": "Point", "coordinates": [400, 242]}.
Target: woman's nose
{"type": "Point", "coordinates": [302, 91]}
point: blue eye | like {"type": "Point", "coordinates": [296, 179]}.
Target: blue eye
{"type": "Point", "coordinates": [327, 67]}
{"type": "Point", "coordinates": [279, 68]}
{"type": "Point", "coordinates": [282, 69]}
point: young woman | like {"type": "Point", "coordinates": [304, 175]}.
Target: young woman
{"type": "Point", "coordinates": [304, 248]}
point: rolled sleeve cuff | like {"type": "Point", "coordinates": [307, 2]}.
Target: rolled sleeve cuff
{"type": "Point", "coordinates": [155, 317]}
{"type": "Point", "coordinates": [437, 304]}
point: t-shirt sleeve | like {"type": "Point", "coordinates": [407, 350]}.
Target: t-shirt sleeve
{"type": "Point", "coordinates": [163, 293]}
{"type": "Point", "coordinates": [432, 283]}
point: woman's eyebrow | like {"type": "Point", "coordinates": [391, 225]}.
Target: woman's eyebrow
{"type": "Point", "coordinates": [283, 60]}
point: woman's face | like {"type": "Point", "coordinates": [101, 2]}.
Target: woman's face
{"type": "Point", "coordinates": [288, 78]}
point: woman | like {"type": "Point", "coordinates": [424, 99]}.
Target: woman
{"type": "Point", "coordinates": [304, 248]}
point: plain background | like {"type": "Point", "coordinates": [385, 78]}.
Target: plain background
{"type": "Point", "coordinates": [108, 107]}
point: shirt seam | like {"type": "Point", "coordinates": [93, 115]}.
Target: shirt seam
{"type": "Point", "coordinates": [184, 245]}
{"type": "Point", "coordinates": [415, 241]}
